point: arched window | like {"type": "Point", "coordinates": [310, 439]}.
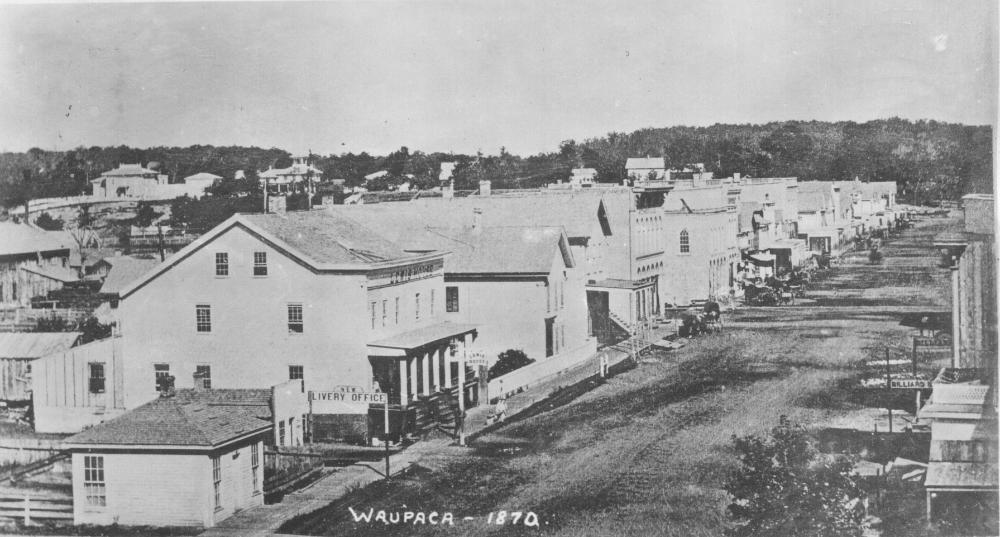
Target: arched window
{"type": "Point", "coordinates": [685, 243]}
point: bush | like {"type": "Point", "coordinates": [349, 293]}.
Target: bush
{"type": "Point", "coordinates": [46, 222]}
{"type": "Point", "coordinates": [508, 361]}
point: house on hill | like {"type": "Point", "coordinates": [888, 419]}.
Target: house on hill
{"type": "Point", "coordinates": [192, 458]}
{"type": "Point", "coordinates": [128, 181]}
{"type": "Point", "coordinates": [300, 177]}
{"type": "Point", "coordinates": [643, 168]}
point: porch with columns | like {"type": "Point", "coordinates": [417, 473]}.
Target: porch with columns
{"type": "Point", "coordinates": [422, 362]}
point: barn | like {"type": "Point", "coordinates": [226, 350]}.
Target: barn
{"type": "Point", "coordinates": [17, 351]}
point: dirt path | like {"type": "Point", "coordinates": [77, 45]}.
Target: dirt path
{"type": "Point", "coordinates": [648, 452]}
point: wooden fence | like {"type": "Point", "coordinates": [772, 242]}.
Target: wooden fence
{"type": "Point", "coordinates": [30, 508]}
{"type": "Point", "coordinates": [27, 450]}
{"type": "Point", "coordinates": [283, 470]}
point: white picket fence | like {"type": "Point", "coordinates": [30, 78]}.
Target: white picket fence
{"type": "Point", "coordinates": [541, 370]}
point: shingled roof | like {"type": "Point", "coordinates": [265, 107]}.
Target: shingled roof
{"type": "Point", "coordinates": [124, 270]}
{"type": "Point", "coordinates": [35, 344]}
{"type": "Point", "coordinates": [190, 418]}
{"type": "Point", "coordinates": [23, 239]}
{"type": "Point", "coordinates": [327, 238]}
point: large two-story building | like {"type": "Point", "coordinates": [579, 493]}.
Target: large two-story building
{"type": "Point", "coordinates": [261, 299]}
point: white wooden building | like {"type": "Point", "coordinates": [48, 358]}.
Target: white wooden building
{"type": "Point", "coordinates": [190, 459]}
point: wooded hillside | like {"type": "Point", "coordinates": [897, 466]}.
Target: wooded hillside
{"type": "Point", "coordinates": [929, 159]}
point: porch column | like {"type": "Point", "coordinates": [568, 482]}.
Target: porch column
{"type": "Point", "coordinates": [402, 384]}
{"type": "Point", "coordinates": [956, 321]}
{"type": "Point", "coordinates": [425, 363]}
{"type": "Point", "coordinates": [461, 381]}
{"type": "Point", "coordinates": [413, 375]}
{"type": "Point", "coordinates": [436, 366]}
{"type": "Point", "coordinates": [445, 359]}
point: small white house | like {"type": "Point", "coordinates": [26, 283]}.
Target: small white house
{"type": "Point", "coordinates": [190, 459]}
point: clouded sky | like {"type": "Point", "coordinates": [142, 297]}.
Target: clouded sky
{"type": "Point", "coordinates": [460, 76]}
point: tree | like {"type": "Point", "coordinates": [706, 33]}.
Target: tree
{"type": "Point", "coordinates": [93, 329]}
{"type": "Point", "coordinates": [46, 222]}
{"type": "Point", "coordinates": [783, 487]}
{"type": "Point", "coordinates": [145, 215]}
{"type": "Point", "coordinates": [508, 361]}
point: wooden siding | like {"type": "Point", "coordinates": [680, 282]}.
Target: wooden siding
{"type": "Point", "coordinates": [60, 383]}
{"type": "Point", "coordinates": [148, 489]}
{"type": "Point", "coordinates": [14, 381]}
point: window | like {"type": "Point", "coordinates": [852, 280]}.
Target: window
{"type": "Point", "coordinates": [95, 489]}
{"type": "Point", "coordinates": [13, 290]}
{"type": "Point", "coordinates": [255, 466]}
{"type": "Point", "coordinates": [373, 315]}
{"type": "Point", "coordinates": [96, 377]}
{"type": "Point", "coordinates": [397, 310]}
{"type": "Point", "coordinates": [385, 311]}
{"type": "Point", "coordinates": [295, 325]}
{"type": "Point", "coordinates": [203, 375]}
{"type": "Point", "coordinates": [451, 299]}
{"type": "Point", "coordinates": [416, 309]}
{"type": "Point", "coordinates": [161, 372]}
{"type": "Point", "coordinates": [281, 433]}
{"type": "Point", "coordinates": [296, 372]}
{"type": "Point", "coordinates": [260, 263]}
{"type": "Point", "coordinates": [217, 481]}
{"type": "Point", "coordinates": [432, 302]}
{"type": "Point", "coordinates": [685, 242]}
{"type": "Point", "coordinates": [221, 264]}
{"type": "Point", "coordinates": [203, 317]}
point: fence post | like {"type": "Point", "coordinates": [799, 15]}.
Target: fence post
{"type": "Point", "coordinates": [27, 510]}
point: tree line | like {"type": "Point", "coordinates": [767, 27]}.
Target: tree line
{"type": "Point", "coordinates": [929, 159]}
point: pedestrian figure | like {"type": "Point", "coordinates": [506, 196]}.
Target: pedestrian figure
{"type": "Point", "coordinates": [500, 410]}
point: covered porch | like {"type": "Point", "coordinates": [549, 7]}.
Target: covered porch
{"type": "Point", "coordinates": [423, 362]}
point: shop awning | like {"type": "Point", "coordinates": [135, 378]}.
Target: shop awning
{"type": "Point", "coordinates": [398, 344]}
{"type": "Point", "coordinates": [762, 258]}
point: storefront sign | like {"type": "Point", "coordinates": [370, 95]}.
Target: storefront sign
{"type": "Point", "coordinates": [339, 402]}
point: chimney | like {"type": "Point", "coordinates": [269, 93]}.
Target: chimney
{"type": "Point", "coordinates": [276, 204]}
{"type": "Point", "coordinates": [448, 190]}
{"type": "Point", "coordinates": [484, 187]}
{"type": "Point", "coordinates": [477, 219]}
{"type": "Point", "coordinates": [736, 178]}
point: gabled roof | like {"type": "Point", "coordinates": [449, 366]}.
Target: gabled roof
{"type": "Point", "coordinates": [190, 418]}
{"type": "Point", "coordinates": [327, 238]}
{"type": "Point", "coordinates": [294, 169]}
{"type": "Point", "coordinates": [203, 176]}
{"type": "Point", "coordinates": [128, 170]}
{"type": "Point", "coordinates": [23, 239]}
{"type": "Point", "coordinates": [57, 273]}
{"type": "Point", "coordinates": [124, 270]}
{"type": "Point", "coordinates": [574, 211]}
{"type": "Point", "coordinates": [502, 250]}
{"type": "Point", "coordinates": [320, 240]}
{"type": "Point", "coordinates": [35, 344]}
{"type": "Point", "coordinates": [645, 163]}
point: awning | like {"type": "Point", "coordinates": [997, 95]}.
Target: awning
{"type": "Point", "coordinates": [398, 344]}
{"type": "Point", "coordinates": [762, 258]}
{"type": "Point", "coordinates": [621, 284]}
{"type": "Point", "coordinates": [961, 475]}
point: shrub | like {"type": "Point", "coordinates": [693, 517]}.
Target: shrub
{"type": "Point", "coordinates": [508, 361]}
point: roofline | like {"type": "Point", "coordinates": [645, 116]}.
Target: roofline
{"type": "Point", "coordinates": [238, 220]}
{"type": "Point", "coordinates": [172, 447]}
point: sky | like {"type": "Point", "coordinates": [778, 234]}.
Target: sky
{"type": "Point", "coordinates": [462, 76]}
